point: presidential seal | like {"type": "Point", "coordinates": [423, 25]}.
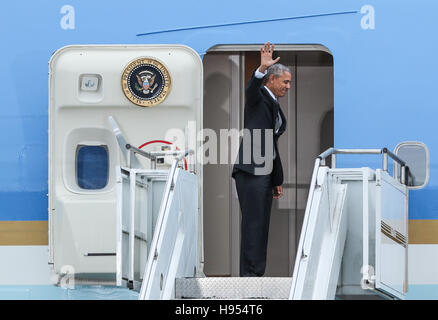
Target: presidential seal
{"type": "Point", "coordinates": [146, 82]}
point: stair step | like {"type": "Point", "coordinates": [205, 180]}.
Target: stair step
{"type": "Point", "coordinates": [233, 288]}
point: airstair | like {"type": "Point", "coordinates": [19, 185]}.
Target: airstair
{"type": "Point", "coordinates": [353, 243]}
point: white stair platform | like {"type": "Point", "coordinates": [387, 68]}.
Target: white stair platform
{"type": "Point", "coordinates": [233, 288]}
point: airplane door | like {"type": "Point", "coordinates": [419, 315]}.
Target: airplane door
{"type": "Point", "coordinates": [154, 93]}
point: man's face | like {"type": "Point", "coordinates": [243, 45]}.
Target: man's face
{"type": "Point", "coordinates": [279, 85]}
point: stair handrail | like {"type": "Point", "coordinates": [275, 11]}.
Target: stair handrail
{"type": "Point", "coordinates": [153, 254]}
{"type": "Point", "coordinates": [333, 152]}
{"type": "Point", "coordinates": [153, 155]}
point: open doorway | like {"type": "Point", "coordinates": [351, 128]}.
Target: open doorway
{"type": "Point", "coordinates": [308, 107]}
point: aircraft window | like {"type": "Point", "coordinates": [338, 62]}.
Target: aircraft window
{"type": "Point", "coordinates": [92, 164]}
{"type": "Point", "coordinates": [416, 155]}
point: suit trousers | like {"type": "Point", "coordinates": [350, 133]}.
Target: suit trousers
{"type": "Point", "coordinates": [255, 198]}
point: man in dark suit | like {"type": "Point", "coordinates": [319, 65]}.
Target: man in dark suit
{"type": "Point", "coordinates": [258, 171]}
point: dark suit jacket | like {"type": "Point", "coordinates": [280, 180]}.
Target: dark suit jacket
{"type": "Point", "coordinates": [260, 113]}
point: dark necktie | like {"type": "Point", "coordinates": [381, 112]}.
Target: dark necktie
{"type": "Point", "coordinates": [278, 124]}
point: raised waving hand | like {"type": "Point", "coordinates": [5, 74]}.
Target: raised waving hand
{"type": "Point", "coordinates": [266, 57]}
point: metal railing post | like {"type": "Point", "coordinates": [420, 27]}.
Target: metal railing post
{"type": "Point", "coordinates": [385, 160]}
{"type": "Point", "coordinates": [333, 160]}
